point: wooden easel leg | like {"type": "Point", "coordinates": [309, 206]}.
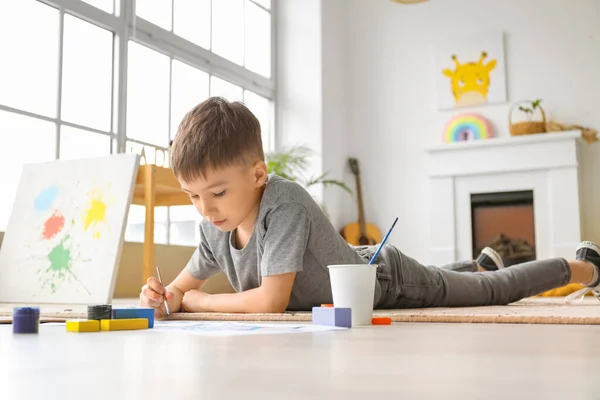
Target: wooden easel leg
{"type": "Point", "coordinates": [150, 202]}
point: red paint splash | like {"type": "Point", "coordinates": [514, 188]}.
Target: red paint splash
{"type": "Point", "coordinates": [53, 225]}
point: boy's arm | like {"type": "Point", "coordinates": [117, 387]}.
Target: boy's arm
{"type": "Point", "coordinates": [272, 296]}
{"type": "Point", "coordinates": [182, 284]}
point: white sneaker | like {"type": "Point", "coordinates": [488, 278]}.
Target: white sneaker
{"type": "Point", "coordinates": [590, 252]}
{"type": "Point", "coordinates": [489, 260]}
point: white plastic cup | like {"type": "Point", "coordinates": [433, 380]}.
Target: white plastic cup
{"type": "Point", "coordinates": [353, 286]}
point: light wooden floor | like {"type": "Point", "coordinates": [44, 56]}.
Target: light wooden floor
{"type": "Point", "coordinates": [414, 361]}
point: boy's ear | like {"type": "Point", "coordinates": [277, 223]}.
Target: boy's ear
{"type": "Point", "coordinates": [260, 173]}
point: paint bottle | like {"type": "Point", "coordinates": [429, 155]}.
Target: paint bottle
{"type": "Point", "coordinates": [99, 312]}
{"type": "Point", "coordinates": [26, 319]}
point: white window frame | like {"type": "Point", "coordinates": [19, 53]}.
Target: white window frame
{"type": "Point", "coordinates": [127, 26]}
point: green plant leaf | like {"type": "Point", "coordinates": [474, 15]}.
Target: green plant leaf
{"type": "Point", "coordinates": [292, 164]}
{"type": "Point", "coordinates": [329, 182]}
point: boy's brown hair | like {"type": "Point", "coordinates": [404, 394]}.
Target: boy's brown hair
{"type": "Point", "coordinates": [215, 134]}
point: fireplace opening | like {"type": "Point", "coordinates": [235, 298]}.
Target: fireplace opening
{"type": "Point", "coordinates": [505, 222]}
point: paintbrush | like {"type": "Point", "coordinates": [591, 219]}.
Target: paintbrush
{"type": "Point", "coordinates": [165, 295]}
{"type": "Point", "coordinates": [383, 242]}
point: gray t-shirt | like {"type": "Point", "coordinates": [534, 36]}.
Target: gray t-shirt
{"type": "Point", "coordinates": [291, 234]}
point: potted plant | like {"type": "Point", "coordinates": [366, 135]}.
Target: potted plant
{"type": "Point", "coordinates": [530, 110]}
{"type": "Point", "coordinates": [292, 164]}
{"type": "Point", "coordinates": [529, 126]}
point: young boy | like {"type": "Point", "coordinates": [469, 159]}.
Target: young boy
{"type": "Point", "coordinates": [274, 243]}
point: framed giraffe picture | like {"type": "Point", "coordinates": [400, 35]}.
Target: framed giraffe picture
{"type": "Point", "coordinates": [470, 70]}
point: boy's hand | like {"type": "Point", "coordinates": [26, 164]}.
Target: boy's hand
{"type": "Point", "coordinates": [194, 301]}
{"type": "Point", "coordinates": [153, 295]}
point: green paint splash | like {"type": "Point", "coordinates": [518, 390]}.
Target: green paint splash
{"type": "Point", "coordinates": [60, 266]}
{"type": "Point", "coordinates": [60, 259]}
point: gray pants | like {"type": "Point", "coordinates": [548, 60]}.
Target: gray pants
{"type": "Point", "coordinates": [406, 283]}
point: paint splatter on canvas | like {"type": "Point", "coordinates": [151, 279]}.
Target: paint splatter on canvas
{"type": "Point", "coordinates": [60, 269]}
{"type": "Point", "coordinates": [46, 198]}
{"type": "Point", "coordinates": [95, 213]}
{"type": "Point", "coordinates": [53, 225]}
{"type": "Point", "coordinates": [65, 233]}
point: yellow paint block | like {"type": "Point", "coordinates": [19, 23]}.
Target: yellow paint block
{"type": "Point", "coordinates": [83, 326]}
{"type": "Point", "coordinates": [123, 324]}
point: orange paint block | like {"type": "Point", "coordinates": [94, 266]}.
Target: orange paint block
{"type": "Point", "coordinates": [326, 305]}
{"type": "Point", "coordinates": [381, 321]}
{"type": "Point", "coordinates": [91, 325]}
{"type": "Point", "coordinates": [123, 324]}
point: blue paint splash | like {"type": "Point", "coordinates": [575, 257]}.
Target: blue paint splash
{"type": "Point", "coordinates": [46, 198]}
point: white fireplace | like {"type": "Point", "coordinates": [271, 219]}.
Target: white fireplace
{"type": "Point", "coordinates": [547, 164]}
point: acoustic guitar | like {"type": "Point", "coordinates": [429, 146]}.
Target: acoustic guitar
{"type": "Point", "coordinates": [360, 233]}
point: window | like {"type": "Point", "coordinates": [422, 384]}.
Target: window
{"type": "Point", "coordinates": [86, 74]}
{"type": "Point", "coordinates": [261, 107]}
{"type": "Point", "coordinates": [147, 95]}
{"type": "Point", "coordinates": [258, 39]}
{"type": "Point", "coordinates": [104, 5]}
{"type": "Point", "coordinates": [23, 131]}
{"type": "Point", "coordinates": [192, 21]}
{"type": "Point", "coordinates": [228, 29]}
{"type": "Point", "coordinates": [223, 88]}
{"type": "Point", "coordinates": [189, 86]}
{"type": "Point", "coordinates": [170, 55]}
{"type": "Point", "coordinates": [78, 143]}
{"type": "Point", "coordinates": [34, 60]}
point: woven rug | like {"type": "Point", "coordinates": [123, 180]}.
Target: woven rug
{"type": "Point", "coordinates": [535, 310]}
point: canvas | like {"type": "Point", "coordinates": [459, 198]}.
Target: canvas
{"type": "Point", "coordinates": [65, 233]}
{"type": "Point", "coordinates": [470, 70]}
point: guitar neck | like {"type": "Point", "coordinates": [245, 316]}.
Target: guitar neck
{"type": "Point", "coordinates": [361, 212]}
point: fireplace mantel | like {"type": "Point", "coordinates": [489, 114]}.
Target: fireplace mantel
{"type": "Point", "coordinates": [546, 163]}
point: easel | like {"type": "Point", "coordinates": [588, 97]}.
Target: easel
{"type": "Point", "coordinates": [155, 186]}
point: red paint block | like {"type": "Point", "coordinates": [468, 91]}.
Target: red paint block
{"type": "Point", "coordinates": [381, 321]}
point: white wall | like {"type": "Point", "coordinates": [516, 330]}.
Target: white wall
{"type": "Point", "coordinates": [311, 93]}
{"type": "Point", "coordinates": [552, 52]}
{"type": "Point", "coordinates": [299, 78]}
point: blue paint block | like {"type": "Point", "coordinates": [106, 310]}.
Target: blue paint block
{"type": "Point", "coordinates": [332, 316]}
{"type": "Point", "coordinates": [134, 312]}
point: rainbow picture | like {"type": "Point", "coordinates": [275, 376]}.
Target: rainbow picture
{"type": "Point", "coordinates": [465, 127]}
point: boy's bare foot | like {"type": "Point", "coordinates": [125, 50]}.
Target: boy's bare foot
{"type": "Point", "coordinates": [489, 260]}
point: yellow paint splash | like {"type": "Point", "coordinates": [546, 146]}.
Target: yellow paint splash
{"type": "Point", "coordinates": [94, 213]}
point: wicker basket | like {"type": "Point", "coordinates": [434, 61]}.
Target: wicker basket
{"type": "Point", "coordinates": [526, 127]}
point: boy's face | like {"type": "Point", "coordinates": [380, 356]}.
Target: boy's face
{"type": "Point", "coordinates": [228, 196]}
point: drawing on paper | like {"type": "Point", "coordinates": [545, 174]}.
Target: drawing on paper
{"type": "Point", "coordinates": [227, 328]}
{"type": "Point", "coordinates": [58, 247]}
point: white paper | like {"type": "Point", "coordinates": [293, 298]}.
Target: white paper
{"type": "Point", "coordinates": [222, 328]}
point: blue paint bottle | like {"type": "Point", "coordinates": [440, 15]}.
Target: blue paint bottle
{"type": "Point", "coordinates": [26, 319]}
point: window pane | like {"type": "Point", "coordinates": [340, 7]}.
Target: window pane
{"type": "Point", "coordinates": [136, 218]}
{"type": "Point", "coordinates": [261, 107]}
{"type": "Point", "coordinates": [264, 3]}
{"type": "Point", "coordinates": [87, 74]}
{"type": "Point", "coordinates": [23, 131]}
{"type": "Point", "coordinates": [189, 87]}
{"type": "Point", "coordinates": [258, 39]}
{"type": "Point", "coordinates": [148, 95]}
{"type": "Point", "coordinates": [192, 21]}
{"type": "Point", "coordinates": [184, 226]}
{"type": "Point", "coordinates": [29, 48]}
{"type": "Point", "coordinates": [77, 143]}
{"type": "Point", "coordinates": [156, 11]}
{"type": "Point", "coordinates": [220, 87]}
{"type": "Point", "coordinates": [228, 29]}
{"type": "Point", "coordinates": [104, 5]}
